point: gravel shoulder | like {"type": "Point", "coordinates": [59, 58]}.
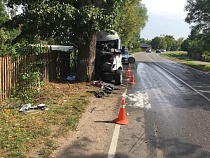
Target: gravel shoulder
{"type": "Point", "coordinates": [94, 131]}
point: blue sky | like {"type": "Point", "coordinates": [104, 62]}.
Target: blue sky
{"type": "Point", "coordinates": [166, 17]}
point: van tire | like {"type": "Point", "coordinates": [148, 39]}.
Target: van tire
{"type": "Point", "coordinates": [118, 77]}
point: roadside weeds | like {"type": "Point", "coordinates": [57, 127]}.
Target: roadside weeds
{"type": "Point", "coordinates": [22, 133]}
{"type": "Point", "coordinates": [182, 57]}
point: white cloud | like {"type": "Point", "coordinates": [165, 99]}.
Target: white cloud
{"type": "Point", "coordinates": [166, 8]}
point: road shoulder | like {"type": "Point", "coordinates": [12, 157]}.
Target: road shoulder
{"type": "Point", "coordinates": [94, 132]}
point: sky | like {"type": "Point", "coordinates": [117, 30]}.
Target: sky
{"type": "Point", "coordinates": [166, 17]}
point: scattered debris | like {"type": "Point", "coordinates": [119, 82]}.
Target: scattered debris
{"type": "Point", "coordinates": [100, 94]}
{"type": "Point", "coordinates": [98, 83]}
{"type": "Point", "coordinates": [92, 109]}
{"type": "Point", "coordinates": [25, 107]}
{"type": "Point", "coordinates": [28, 107]}
{"type": "Point", "coordinates": [71, 78]}
{"type": "Point", "coordinates": [105, 89]}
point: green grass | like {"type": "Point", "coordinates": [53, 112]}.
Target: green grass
{"type": "Point", "coordinates": [21, 133]}
{"type": "Point", "coordinates": [182, 57]}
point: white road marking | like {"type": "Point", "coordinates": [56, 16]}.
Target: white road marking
{"type": "Point", "coordinates": [124, 94]}
{"type": "Point", "coordinates": [139, 99]}
{"type": "Point", "coordinates": [181, 80]}
{"type": "Point", "coordinates": [207, 73]}
{"type": "Point", "coordinates": [113, 146]}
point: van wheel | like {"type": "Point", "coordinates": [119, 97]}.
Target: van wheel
{"type": "Point", "coordinates": [118, 77]}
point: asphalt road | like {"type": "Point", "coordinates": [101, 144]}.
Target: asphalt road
{"type": "Point", "coordinates": [168, 111]}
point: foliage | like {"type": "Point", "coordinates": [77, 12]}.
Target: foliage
{"type": "Point", "coordinates": [198, 16]}
{"type": "Point", "coordinates": [156, 43]}
{"type": "Point", "coordinates": [170, 42]}
{"type": "Point", "coordinates": [3, 16]}
{"type": "Point", "coordinates": [6, 36]}
{"type": "Point", "coordinates": [134, 43]}
{"type": "Point", "coordinates": [142, 40]}
{"type": "Point", "coordinates": [182, 57]}
{"type": "Point", "coordinates": [60, 21]}
{"type": "Point", "coordinates": [29, 81]}
{"type": "Point", "coordinates": [177, 56]}
{"type": "Point", "coordinates": [195, 43]}
{"type": "Point", "coordinates": [21, 133]}
{"type": "Point", "coordinates": [159, 43]}
{"type": "Point", "coordinates": [3, 37]}
{"type": "Point", "coordinates": [131, 23]}
{"type": "Point", "coordinates": [69, 21]}
{"type": "Point", "coordinates": [185, 45]}
{"type": "Point", "coordinates": [166, 42]}
{"type": "Point", "coordinates": [178, 43]}
{"type": "Point", "coordinates": [77, 22]}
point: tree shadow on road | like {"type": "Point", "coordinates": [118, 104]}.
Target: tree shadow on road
{"type": "Point", "coordinates": [82, 148]}
{"type": "Point", "coordinates": [174, 148]}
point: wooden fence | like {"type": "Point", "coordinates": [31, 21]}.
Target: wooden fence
{"type": "Point", "coordinates": [54, 65]}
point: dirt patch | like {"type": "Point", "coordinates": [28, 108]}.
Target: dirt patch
{"type": "Point", "coordinates": [94, 131]}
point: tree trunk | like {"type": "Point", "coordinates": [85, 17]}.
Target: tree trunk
{"type": "Point", "coordinates": [86, 60]}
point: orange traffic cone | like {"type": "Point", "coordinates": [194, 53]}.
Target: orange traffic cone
{"type": "Point", "coordinates": [132, 79]}
{"type": "Point", "coordinates": [122, 114]}
{"type": "Point", "coordinates": [128, 75]}
{"type": "Point", "coordinates": [129, 67]}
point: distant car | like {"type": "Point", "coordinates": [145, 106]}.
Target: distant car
{"type": "Point", "coordinates": [163, 50]}
{"type": "Point", "coordinates": [148, 50]}
{"type": "Point", "coordinates": [125, 56]}
{"type": "Point", "coordinates": [158, 51]}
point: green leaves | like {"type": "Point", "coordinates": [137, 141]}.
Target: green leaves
{"type": "Point", "coordinates": [198, 16]}
{"type": "Point", "coordinates": [3, 16]}
{"type": "Point", "coordinates": [131, 20]}
{"type": "Point", "coordinates": [167, 42]}
{"type": "Point", "coordinates": [3, 36]}
{"type": "Point", "coordinates": [77, 20]}
{"type": "Point", "coordinates": [88, 20]}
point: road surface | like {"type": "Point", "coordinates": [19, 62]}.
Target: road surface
{"type": "Point", "coordinates": [168, 111]}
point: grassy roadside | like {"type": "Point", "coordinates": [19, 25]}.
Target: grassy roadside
{"type": "Point", "coordinates": [22, 133]}
{"type": "Point", "coordinates": [181, 57]}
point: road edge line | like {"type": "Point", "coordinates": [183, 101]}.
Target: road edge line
{"type": "Point", "coordinates": [180, 80]}
{"type": "Point", "coordinates": [115, 136]}
{"type": "Point", "coordinates": [113, 146]}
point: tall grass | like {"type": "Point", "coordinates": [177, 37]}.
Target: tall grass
{"type": "Point", "coordinates": [182, 57]}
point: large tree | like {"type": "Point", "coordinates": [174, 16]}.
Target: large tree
{"type": "Point", "coordinates": [139, 24]}
{"type": "Point", "coordinates": [170, 42]}
{"type": "Point", "coordinates": [166, 42]}
{"type": "Point", "coordinates": [6, 36]}
{"type": "Point", "coordinates": [132, 19]}
{"type": "Point", "coordinates": [73, 21]}
{"type": "Point", "coordinates": [156, 42]}
{"type": "Point", "coordinates": [3, 18]}
{"type": "Point", "coordinates": [195, 42]}
{"type": "Point", "coordinates": [198, 16]}
{"type": "Point", "coordinates": [198, 13]}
